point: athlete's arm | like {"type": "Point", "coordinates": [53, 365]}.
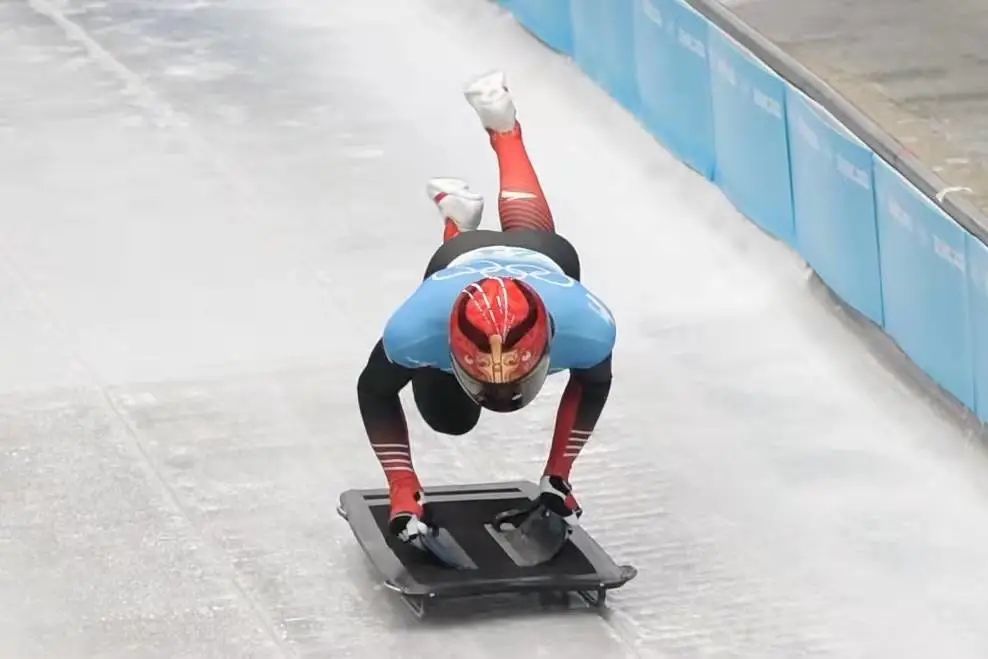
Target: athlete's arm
{"type": "Point", "coordinates": [580, 408]}
{"type": "Point", "coordinates": [380, 408]}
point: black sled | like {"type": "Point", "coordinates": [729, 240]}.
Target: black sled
{"type": "Point", "coordinates": [494, 539]}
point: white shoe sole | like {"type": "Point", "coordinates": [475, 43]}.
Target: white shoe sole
{"type": "Point", "coordinates": [460, 204]}
{"type": "Point", "coordinates": [492, 102]}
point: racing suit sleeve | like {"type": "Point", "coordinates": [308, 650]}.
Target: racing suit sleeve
{"type": "Point", "coordinates": [380, 408]}
{"type": "Point", "coordinates": [579, 409]}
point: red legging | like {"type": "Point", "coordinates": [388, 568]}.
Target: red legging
{"type": "Point", "coordinates": [521, 203]}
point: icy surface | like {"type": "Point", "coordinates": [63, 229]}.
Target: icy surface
{"type": "Point", "coordinates": [209, 210]}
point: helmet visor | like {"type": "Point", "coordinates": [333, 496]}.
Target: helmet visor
{"type": "Point", "coordinates": [507, 396]}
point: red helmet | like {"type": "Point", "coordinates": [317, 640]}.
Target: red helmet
{"type": "Point", "coordinates": [499, 334]}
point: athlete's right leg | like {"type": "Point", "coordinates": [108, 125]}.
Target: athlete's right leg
{"type": "Point", "coordinates": [521, 202]}
{"type": "Point", "coordinates": [459, 206]}
{"type": "Point", "coordinates": [443, 403]}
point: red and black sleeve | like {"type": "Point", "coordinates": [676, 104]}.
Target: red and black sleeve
{"type": "Point", "coordinates": [581, 406]}
{"type": "Point", "coordinates": [380, 408]}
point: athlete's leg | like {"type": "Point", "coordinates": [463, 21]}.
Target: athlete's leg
{"type": "Point", "coordinates": [459, 206]}
{"type": "Point", "coordinates": [443, 403]}
{"type": "Point", "coordinates": [521, 202]}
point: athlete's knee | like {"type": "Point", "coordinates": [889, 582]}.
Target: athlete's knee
{"type": "Point", "coordinates": [454, 424]}
{"type": "Point", "coordinates": [443, 404]}
{"type": "Point", "coordinates": [452, 416]}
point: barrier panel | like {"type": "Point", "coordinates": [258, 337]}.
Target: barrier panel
{"type": "Point", "coordinates": [603, 46]}
{"type": "Point", "coordinates": [977, 270]}
{"type": "Point", "coordinates": [834, 205]}
{"type": "Point", "coordinates": [674, 79]}
{"type": "Point", "coordinates": [876, 239]}
{"type": "Point", "coordinates": [750, 137]}
{"type": "Point", "coordinates": [549, 20]}
{"type": "Point", "coordinates": [924, 282]}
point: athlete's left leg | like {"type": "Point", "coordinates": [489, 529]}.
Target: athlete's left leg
{"type": "Point", "coordinates": [521, 202]}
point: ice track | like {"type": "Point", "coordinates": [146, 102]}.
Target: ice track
{"type": "Point", "coordinates": [207, 211]}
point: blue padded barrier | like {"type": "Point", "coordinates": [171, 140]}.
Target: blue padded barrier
{"type": "Point", "coordinates": [549, 20]}
{"type": "Point", "coordinates": [788, 165]}
{"type": "Point", "coordinates": [924, 282]}
{"type": "Point", "coordinates": [603, 46]}
{"type": "Point", "coordinates": [977, 271]}
{"type": "Point", "coordinates": [752, 144]}
{"type": "Point", "coordinates": [674, 79]}
{"type": "Point", "coordinates": [834, 204]}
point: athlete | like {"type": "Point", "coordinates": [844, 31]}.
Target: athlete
{"type": "Point", "coordinates": [496, 313]}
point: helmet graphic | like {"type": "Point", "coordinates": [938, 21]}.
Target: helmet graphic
{"type": "Point", "coordinates": [499, 333]}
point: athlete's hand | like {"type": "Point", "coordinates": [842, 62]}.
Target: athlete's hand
{"type": "Point", "coordinates": [556, 494]}
{"type": "Point", "coordinates": [409, 529]}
